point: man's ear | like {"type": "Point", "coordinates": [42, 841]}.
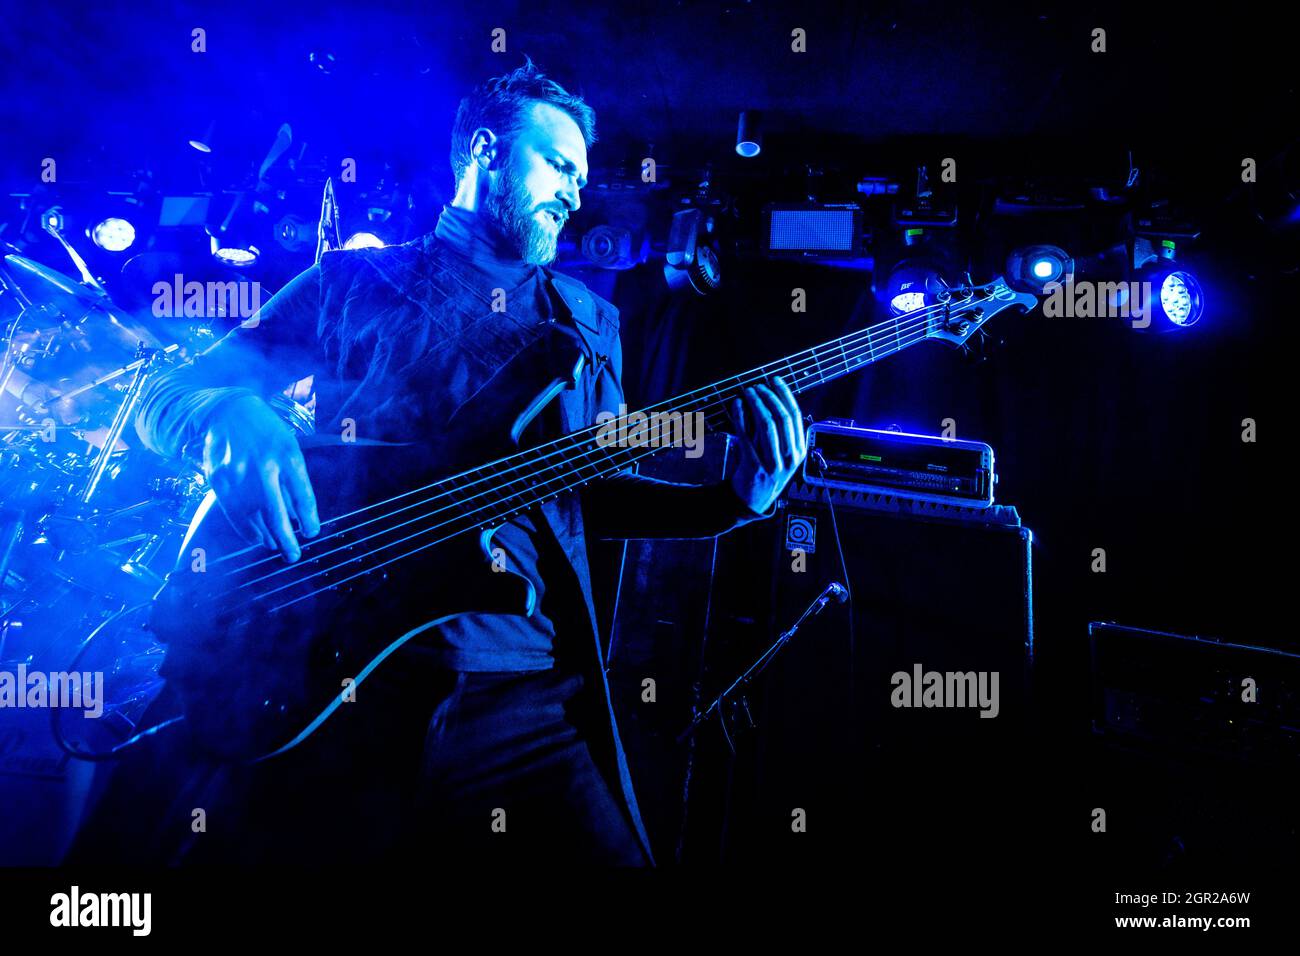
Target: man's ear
{"type": "Point", "coordinates": [484, 146]}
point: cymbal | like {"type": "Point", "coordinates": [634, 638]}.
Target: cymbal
{"type": "Point", "coordinates": [58, 299]}
{"type": "Point", "coordinates": [73, 338]}
{"type": "Point", "coordinates": [43, 285]}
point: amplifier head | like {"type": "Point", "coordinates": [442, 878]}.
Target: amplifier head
{"type": "Point", "coordinates": [919, 467]}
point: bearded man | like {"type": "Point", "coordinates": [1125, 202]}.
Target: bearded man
{"type": "Point", "coordinates": [491, 736]}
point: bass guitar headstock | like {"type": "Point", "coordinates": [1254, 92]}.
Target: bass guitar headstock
{"type": "Point", "coordinates": [957, 313]}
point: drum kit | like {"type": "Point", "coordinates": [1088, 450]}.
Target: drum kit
{"type": "Point", "coordinates": [90, 522]}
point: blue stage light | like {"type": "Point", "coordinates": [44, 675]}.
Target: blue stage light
{"type": "Point", "coordinates": [204, 140]}
{"type": "Point", "coordinates": [749, 134]}
{"type": "Point", "coordinates": [1172, 291]}
{"type": "Point", "coordinates": [1180, 298]}
{"type": "Point", "coordinates": [912, 284]}
{"type": "Point", "coordinates": [906, 302]}
{"type": "Point", "coordinates": [363, 240]}
{"type": "Point", "coordinates": [237, 257]}
{"type": "Point", "coordinates": [240, 256]}
{"type": "Point", "coordinates": [1032, 268]}
{"type": "Point", "coordinates": [113, 234]}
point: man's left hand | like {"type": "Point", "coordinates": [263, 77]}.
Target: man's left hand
{"type": "Point", "coordinates": [774, 444]}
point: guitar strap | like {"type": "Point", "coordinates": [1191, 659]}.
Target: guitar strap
{"type": "Point", "coordinates": [565, 319]}
{"type": "Point", "coordinates": [561, 348]}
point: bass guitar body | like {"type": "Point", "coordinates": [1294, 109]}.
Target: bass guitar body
{"type": "Point", "coordinates": [261, 652]}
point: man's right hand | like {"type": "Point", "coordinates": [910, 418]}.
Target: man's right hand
{"type": "Point", "coordinates": [257, 470]}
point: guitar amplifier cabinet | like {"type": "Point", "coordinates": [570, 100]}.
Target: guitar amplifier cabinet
{"type": "Point", "coordinates": [948, 590]}
{"type": "Point", "coordinates": [873, 712]}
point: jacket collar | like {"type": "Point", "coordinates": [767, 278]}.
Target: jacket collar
{"type": "Point", "coordinates": [475, 238]}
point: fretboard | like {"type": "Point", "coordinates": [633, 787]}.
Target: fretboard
{"type": "Point", "coordinates": [375, 537]}
{"type": "Point", "coordinates": [497, 490]}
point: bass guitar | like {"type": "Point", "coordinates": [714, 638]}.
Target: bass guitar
{"type": "Point", "coordinates": [263, 652]}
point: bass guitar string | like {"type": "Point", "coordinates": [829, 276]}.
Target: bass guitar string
{"type": "Point", "coordinates": [611, 466]}
{"type": "Point", "coordinates": [811, 368]}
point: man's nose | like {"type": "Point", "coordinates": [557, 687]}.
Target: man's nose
{"type": "Point", "coordinates": [569, 196]}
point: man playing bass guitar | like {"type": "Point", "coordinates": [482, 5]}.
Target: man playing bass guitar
{"type": "Point", "coordinates": [489, 735]}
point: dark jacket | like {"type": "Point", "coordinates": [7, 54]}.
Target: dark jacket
{"type": "Point", "coordinates": [402, 342]}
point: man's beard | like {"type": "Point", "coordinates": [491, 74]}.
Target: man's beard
{"type": "Point", "coordinates": [510, 208]}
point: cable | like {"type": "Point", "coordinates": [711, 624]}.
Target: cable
{"type": "Point", "coordinates": [820, 460]}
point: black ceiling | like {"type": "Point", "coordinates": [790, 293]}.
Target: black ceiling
{"type": "Point", "coordinates": [120, 86]}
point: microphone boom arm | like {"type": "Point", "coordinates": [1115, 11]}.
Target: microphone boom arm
{"type": "Point", "coordinates": [834, 590]}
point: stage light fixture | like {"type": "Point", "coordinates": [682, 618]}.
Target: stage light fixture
{"type": "Point", "coordinates": [1181, 299]}
{"type": "Point", "coordinates": [614, 247]}
{"type": "Point", "coordinates": [241, 255]}
{"type": "Point", "coordinates": [363, 240]}
{"type": "Point", "coordinates": [113, 234]}
{"type": "Point", "coordinates": [906, 302]}
{"type": "Point", "coordinates": [1177, 301]}
{"type": "Point", "coordinates": [294, 233]}
{"type": "Point", "coordinates": [912, 284]}
{"type": "Point", "coordinates": [1174, 292]}
{"type": "Point", "coordinates": [688, 261]}
{"type": "Point", "coordinates": [203, 142]}
{"type": "Point", "coordinates": [749, 134]}
{"type": "Point", "coordinates": [813, 230]}
{"type": "Point", "coordinates": [1032, 268]}
{"type": "Point", "coordinates": [234, 240]}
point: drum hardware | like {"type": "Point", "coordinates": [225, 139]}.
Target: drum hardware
{"type": "Point", "coordinates": [140, 565]}
{"type": "Point", "coordinates": [89, 526]}
{"type": "Point", "coordinates": [6, 628]}
{"type": "Point", "coordinates": [146, 360]}
{"type": "Point", "coordinates": [67, 340]}
{"type": "Point", "coordinates": [184, 489]}
{"type": "Point", "coordinates": [11, 525]}
{"type": "Point", "coordinates": [124, 640]}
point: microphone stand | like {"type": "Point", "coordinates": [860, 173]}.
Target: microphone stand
{"type": "Point", "coordinates": [327, 232]}
{"type": "Point", "coordinates": [735, 694]}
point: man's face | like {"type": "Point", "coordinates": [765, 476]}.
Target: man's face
{"type": "Point", "coordinates": [536, 190]}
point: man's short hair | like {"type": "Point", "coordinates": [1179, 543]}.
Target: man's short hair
{"type": "Point", "coordinates": [502, 104]}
